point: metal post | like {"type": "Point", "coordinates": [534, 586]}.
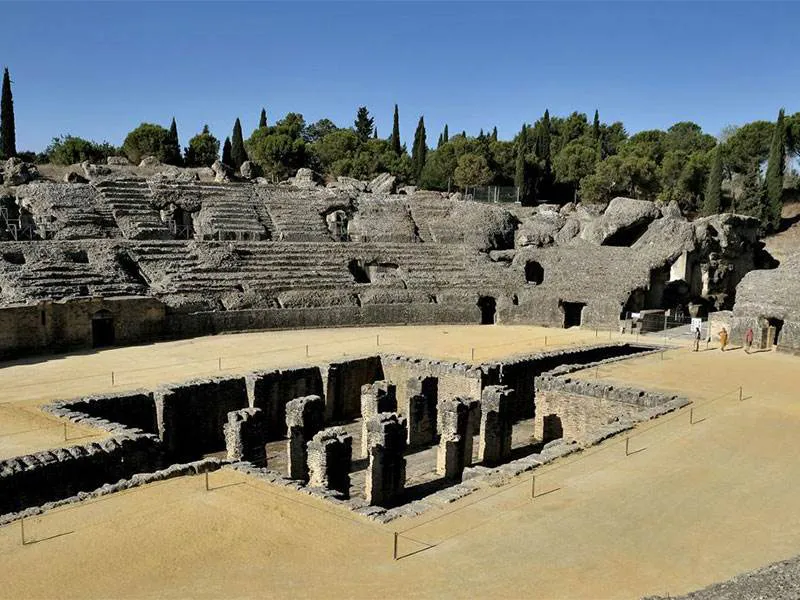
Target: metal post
{"type": "Point", "coordinates": [533, 487]}
{"type": "Point", "coordinates": [473, 354]}
{"type": "Point", "coordinates": [627, 445]}
{"type": "Point", "coordinates": [219, 363]}
{"type": "Point", "coordinates": [112, 377]}
{"type": "Point", "coordinates": [65, 431]}
{"type": "Point", "coordinates": [394, 550]}
{"type": "Point", "coordinates": [306, 350]}
{"type": "Point", "coordinates": [740, 393]}
{"type": "Point", "coordinates": [545, 340]}
{"type": "Point", "coordinates": [22, 529]}
{"type": "Point", "coordinates": [691, 416]}
{"type": "Point", "coordinates": [378, 340]}
{"type": "Point", "coordinates": [207, 488]}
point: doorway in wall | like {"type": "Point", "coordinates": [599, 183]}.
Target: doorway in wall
{"type": "Point", "coordinates": [573, 313]}
{"type": "Point", "coordinates": [488, 306]}
{"type": "Point", "coordinates": [102, 329]}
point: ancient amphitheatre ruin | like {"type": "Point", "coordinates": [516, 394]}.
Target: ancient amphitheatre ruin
{"type": "Point", "coordinates": [309, 389]}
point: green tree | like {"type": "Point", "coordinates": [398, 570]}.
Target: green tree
{"type": "Point", "coordinates": [712, 202]}
{"type": "Point", "coordinates": [522, 171]}
{"type": "Point", "coordinates": [606, 182]}
{"type": "Point", "coordinates": [751, 200]}
{"type": "Point", "coordinates": [317, 131]}
{"type": "Point", "coordinates": [8, 135]}
{"type": "Point", "coordinates": [445, 135]}
{"type": "Point", "coordinates": [494, 133]}
{"type": "Point", "coordinates": [173, 149]}
{"type": "Point", "coordinates": [226, 152]}
{"type": "Point", "coordinates": [69, 150]}
{"type": "Point", "coordinates": [363, 124]}
{"type": "Point", "coordinates": [396, 133]}
{"type": "Point", "coordinates": [281, 149]}
{"type": "Point", "coordinates": [262, 121]}
{"type": "Point", "coordinates": [575, 161]}
{"type": "Point", "coordinates": [238, 152]}
{"type": "Point", "coordinates": [596, 126]}
{"type": "Point", "coordinates": [745, 144]}
{"type": "Point", "coordinates": [335, 147]}
{"type": "Point", "coordinates": [147, 140]}
{"type": "Point", "coordinates": [203, 149]}
{"type": "Point", "coordinates": [472, 171]}
{"type": "Point", "coordinates": [543, 153]}
{"type": "Point", "coordinates": [419, 150]}
{"type": "Point", "coordinates": [774, 177]}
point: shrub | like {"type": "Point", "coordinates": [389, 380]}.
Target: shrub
{"type": "Point", "coordinates": [147, 140]}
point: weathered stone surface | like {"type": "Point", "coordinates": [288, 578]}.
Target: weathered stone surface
{"type": "Point", "coordinates": [222, 172]}
{"type": "Point", "coordinates": [118, 161]}
{"type": "Point", "coordinates": [451, 456]}
{"type": "Point", "coordinates": [247, 170]}
{"type": "Point", "coordinates": [305, 417]}
{"type": "Point", "coordinates": [623, 216]}
{"type": "Point", "coordinates": [246, 436]}
{"type": "Point", "coordinates": [497, 420]}
{"type": "Point", "coordinates": [383, 184]}
{"type": "Point", "coordinates": [386, 473]}
{"type": "Point", "coordinates": [421, 420]}
{"type": "Point", "coordinates": [149, 161]}
{"type": "Point", "coordinates": [94, 171]}
{"type": "Point", "coordinates": [73, 177]}
{"type": "Point", "coordinates": [305, 179]}
{"type": "Point", "coordinates": [330, 455]}
{"type": "Point", "coordinates": [540, 229]}
{"type": "Point", "coordinates": [18, 172]}
{"type": "Point", "coordinates": [378, 397]}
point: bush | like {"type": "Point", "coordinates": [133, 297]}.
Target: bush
{"type": "Point", "coordinates": [147, 140]}
{"type": "Point", "coordinates": [69, 150]}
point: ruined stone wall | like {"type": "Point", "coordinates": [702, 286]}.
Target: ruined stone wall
{"type": "Point", "coordinates": [271, 390]}
{"type": "Point", "coordinates": [68, 324]}
{"type": "Point", "coordinates": [53, 474]}
{"type": "Point", "coordinates": [134, 410]}
{"type": "Point", "coordinates": [191, 415]}
{"type": "Point", "coordinates": [342, 383]}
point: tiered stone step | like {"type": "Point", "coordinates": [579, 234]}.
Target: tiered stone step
{"type": "Point", "coordinates": [59, 281]}
{"type": "Point", "coordinates": [130, 202]}
{"type": "Point", "coordinates": [295, 218]}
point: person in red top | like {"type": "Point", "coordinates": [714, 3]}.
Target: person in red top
{"type": "Point", "coordinates": [748, 340]}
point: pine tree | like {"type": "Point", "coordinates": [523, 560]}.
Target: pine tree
{"type": "Point", "coordinates": [420, 149]}
{"type": "Point", "coordinates": [8, 136]}
{"type": "Point", "coordinates": [596, 126]}
{"type": "Point", "coordinates": [396, 132]}
{"type": "Point", "coordinates": [439, 143]}
{"type": "Point", "coordinates": [363, 124]}
{"type": "Point", "coordinates": [494, 133]}
{"type": "Point", "coordinates": [445, 135]}
{"type": "Point", "coordinates": [712, 201]}
{"type": "Point", "coordinates": [774, 177]}
{"type": "Point", "coordinates": [480, 134]}
{"type": "Point", "coordinates": [262, 121]}
{"type": "Point", "coordinates": [226, 152]}
{"type": "Point", "coordinates": [543, 152]}
{"type": "Point", "coordinates": [521, 180]}
{"type": "Point", "coordinates": [238, 153]}
{"type": "Point", "coordinates": [375, 133]}
{"type": "Point", "coordinates": [752, 196]}
{"type": "Point", "coordinates": [172, 152]}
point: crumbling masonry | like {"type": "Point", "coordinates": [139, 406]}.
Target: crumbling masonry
{"type": "Point", "coordinates": [386, 473]}
{"type": "Point", "coordinates": [304, 418]}
{"type": "Point", "coordinates": [330, 455]}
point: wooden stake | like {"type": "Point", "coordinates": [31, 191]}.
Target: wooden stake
{"type": "Point", "coordinates": [627, 444]}
{"type": "Point", "coordinates": [22, 529]}
{"type": "Point", "coordinates": [533, 487]}
{"type": "Point", "coordinates": [740, 393]}
{"type": "Point", "coordinates": [394, 550]}
{"type": "Point", "coordinates": [691, 416]}
{"type": "Point", "coordinates": [65, 432]}
{"type": "Point", "coordinates": [207, 487]}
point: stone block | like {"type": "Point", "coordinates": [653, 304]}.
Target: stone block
{"type": "Point", "coordinates": [376, 398]}
{"type": "Point", "coordinates": [421, 420]}
{"type": "Point", "coordinates": [497, 419]}
{"type": "Point", "coordinates": [330, 455]}
{"type": "Point", "coordinates": [305, 417]}
{"type": "Point", "coordinates": [386, 473]}
{"type": "Point", "coordinates": [246, 436]}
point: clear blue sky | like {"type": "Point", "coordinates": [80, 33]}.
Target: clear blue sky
{"type": "Point", "coordinates": [98, 69]}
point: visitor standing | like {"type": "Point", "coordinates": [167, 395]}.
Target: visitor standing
{"type": "Point", "coordinates": [748, 340]}
{"type": "Point", "coordinates": [697, 339]}
{"type": "Point", "coordinates": [723, 339]}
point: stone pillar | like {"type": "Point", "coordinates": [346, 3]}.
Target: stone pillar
{"type": "Point", "coordinates": [421, 420]}
{"type": "Point", "coordinates": [473, 428]}
{"type": "Point", "coordinates": [378, 397]}
{"type": "Point", "coordinates": [304, 418]}
{"type": "Point", "coordinates": [246, 436]}
{"type": "Point", "coordinates": [330, 455]}
{"type": "Point", "coordinates": [450, 459]}
{"type": "Point", "coordinates": [420, 386]}
{"type": "Point", "coordinates": [386, 473]}
{"type": "Point", "coordinates": [497, 418]}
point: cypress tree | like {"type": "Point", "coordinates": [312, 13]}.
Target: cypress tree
{"type": "Point", "coordinates": [445, 135]}
{"type": "Point", "coordinates": [262, 121]}
{"type": "Point", "coordinates": [396, 133]}
{"type": "Point", "coordinates": [420, 148]}
{"type": "Point", "coordinates": [238, 153]}
{"type": "Point", "coordinates": [375, 133]}
{"type": "Point", "coordinates": [172, 154]}
{"type": "Point", "coordinates": [494, 133]}
{"type": "Point", "coordinates": [464, 133]}
{"type": "Point", "coordinates": [439, 143]}
{"type": "Point", "coordinates": [520, 168]}
{"type": "Point", "coordinates": [596, 126]}
{"type": "Point", "coordinates": [543, 152]}
{"type": "Point", "coordinates": [8, 136]}
{"type": "Point", "coordinates": [363, 124]}
{"type": "Point", "coordinates": [480, 134]}
{"type": "Point", "coordinates": [712, 202]}
{"type": "Point", "coordinates": [774, 177]}
{"type": "Point", "coordinates": [226, 152]}
{"type": "Point", "coordinates": [752, 199]}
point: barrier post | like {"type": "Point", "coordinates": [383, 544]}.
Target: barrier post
{"type": "Point", "coordinates": [65, 432]}
{"type": "Point", "coordinates": [306, 350]}
{"type": "Point", "coordinates": [22, 529]}
{"type": "Point", "coordinates": [740, 393]}
{"type": "Point", "coordinates": [473, 354]}
{"type": "Point", "coordinates": [627, 444]}
{"type": "Point", "coordinates": [533, 487]}
{"type": "Point", "coordinates": [394, 549]}
{"type": "Point", "coordinates": [378, 339]}
{"type": "Point", "coordinates": [691, 416]}
{"type": "Point", "coordinates": [545, 340]}
{"type": "Point", "coordinates": [207, 487]}
{"type": "Point", "coordinates": [219, 363]}
{"type": "Point", "coordinates": [112, 377]}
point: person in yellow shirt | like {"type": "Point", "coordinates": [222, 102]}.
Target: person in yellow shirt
{"type": "Point", "coordinates": [723, 339]}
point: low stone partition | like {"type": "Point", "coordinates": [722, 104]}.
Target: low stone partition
{"type": "Point", "coordinates": [376, 398]}
{"type": "Point", "coordinates": [305, 417]}
{"type": "Point", "coordinates": [386, 473]}
{"type": "Point", "coordinates": [497, 405]}
{"type": "Point", "coordinates": [271, 390]}
{"type": "Point", "coordinates": [113, 412]}
{"type": "Point", "coordinates": [422, 417]}
{"type": "Point", "coordinates": [50, 475]}
{"type": "Point", "coordinates": [342, 383]}
{"type": "Point", "coordinates": [456, 438]}
{"type": "Point", "coordinates": [191, 415]}
{"type": "Point", "coordinates": [330, 456]}
{"type": "Point", "coordinates": [246, 436]}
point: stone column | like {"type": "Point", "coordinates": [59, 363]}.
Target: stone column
{"type": "Point", "coordinates": [386, 473]}
{"type": "Point", "coordinates": [473, 428]}
{"type": "Point", "coordinates": [330, 455]}
{"type": "Point", "coordinates": [420, 386]}
{"type": "Point", "coordinates": [378, 397]}
{"type": "Point", "coordinates": [304, 418]}
{"type": "Point", "coordinates": [497, 418]}
{"type": "Point", "coordinates": [450, 459]}
{"type": "Point", "coordinates": [246, 436]}
{"type": "Point", "coordinates": [421, 420]}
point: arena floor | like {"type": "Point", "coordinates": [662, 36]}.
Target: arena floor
{"type": "Point", "coordinates": [690, 505]}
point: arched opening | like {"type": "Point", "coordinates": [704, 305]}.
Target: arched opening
{"type": "Point", "coordinates": [534, 273]}
{"type": "Point", "coordinates": [488, 306]}
{"type": "Point", "coordinates": [102, 329]}
{"type": "Point", "coordinates": [573, 313]}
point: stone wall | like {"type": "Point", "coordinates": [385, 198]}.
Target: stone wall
{"type": "Point", "coordinates": [271, 390]}
{"type": "Point", "coordinates": [342, 383]}
{"type": "Point", "coordinates": [53, 474]}
{"type": "Point", "coordinates": [134, 410]}
{"type": "Point", "coordinates": [191, 415]}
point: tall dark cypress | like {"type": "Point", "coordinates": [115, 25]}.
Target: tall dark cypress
{"type": "Point", "coordinates": [445, 135]}
{"type": "Point", "coordinates": [439, 143]}
{"type": "Point", "coordinates": [396, 133]}
{"type": "Point", "coordinates": [238, 153]}
{"type": "Point", "coordinates": [520, 167]}
{"type": "Point", "coordinates": [712, 202]}
{"type": "Point", "coordinates": [420, 149]}
{"type": "Point", "coordinates": [262, 121]}
{"type": "Point", "coordinates": [596, 126]}
{"type": "Point", "coordinates": [494, 133]}
{"type": "Point", "coordinates": [172, 155]}
{"type": "Point", "coordinates": [774, 177]}
{"type": "Point", "coordinates": [543, 152]}
{"type": "Point", "coordinates": [226, 152]}
{"type": "Point", "coordinates": [8, 136]}
{"type": "Point", "coordinates": [751, 202]}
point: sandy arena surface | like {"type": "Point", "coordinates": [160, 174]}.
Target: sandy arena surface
{"type": "Point", "coordinates": [690, 505]}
